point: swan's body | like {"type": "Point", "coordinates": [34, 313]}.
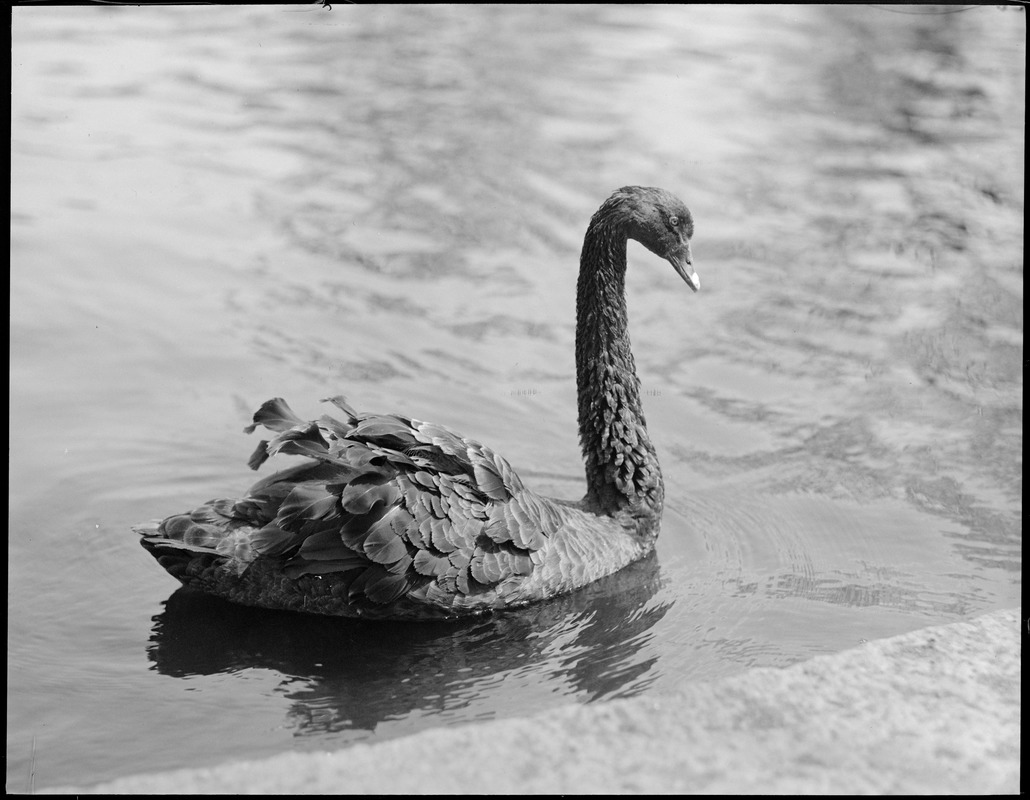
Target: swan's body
{"type": "Point", "coordinates": [395, 518]}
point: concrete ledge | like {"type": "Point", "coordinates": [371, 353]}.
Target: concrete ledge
{"type": "Point", "coordinates": [934, 711]}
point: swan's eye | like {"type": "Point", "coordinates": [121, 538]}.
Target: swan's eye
{"type": "Point", "coordinates": [674, 221]}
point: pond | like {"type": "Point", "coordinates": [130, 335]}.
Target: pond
{"type": "Point", "coordinates": [212, 206]}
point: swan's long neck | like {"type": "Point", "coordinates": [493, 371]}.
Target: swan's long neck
{"type": "Point", "coordinates": [621, 466]}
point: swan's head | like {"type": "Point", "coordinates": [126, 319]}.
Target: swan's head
{"type": "Point", "coordinates": [658, 220]}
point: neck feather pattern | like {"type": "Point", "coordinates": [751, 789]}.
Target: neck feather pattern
{"type": "Point", "coordinates": [621, 466]}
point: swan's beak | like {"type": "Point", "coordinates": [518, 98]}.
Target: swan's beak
{"type": "Point", "coordinates": [682, 262]}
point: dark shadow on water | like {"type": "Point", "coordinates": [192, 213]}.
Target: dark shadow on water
{"type": "Point", "coordinates": [342, 674]}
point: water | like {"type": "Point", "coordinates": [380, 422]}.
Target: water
{"type": "Point", "coordinates": [213, 206]}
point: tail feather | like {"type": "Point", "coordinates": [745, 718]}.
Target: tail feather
{"type": "Point", "coordinates": [183, 547]}
{"type": "Point", "coordinates": [180, 560]}
{"type": "Point", "coordinates": [159, 544]}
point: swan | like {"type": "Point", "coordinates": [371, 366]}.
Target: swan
{"type": "Point", "coordinates": [393, 518]}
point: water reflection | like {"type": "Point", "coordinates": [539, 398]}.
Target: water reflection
{"type": "Point", "coordinates": [343, 674]}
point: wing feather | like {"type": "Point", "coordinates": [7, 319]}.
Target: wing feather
{"type": "Point", "coordinates": [390, 506]}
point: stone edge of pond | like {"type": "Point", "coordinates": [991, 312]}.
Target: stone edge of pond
{"type": "Point", "coordinates": [932, 711]}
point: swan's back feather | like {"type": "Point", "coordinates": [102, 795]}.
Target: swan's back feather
{"type": "Point", "coordinates": [387, 510]}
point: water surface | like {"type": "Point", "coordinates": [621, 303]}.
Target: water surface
{"type": "Point", "coordinates": [214, 206]}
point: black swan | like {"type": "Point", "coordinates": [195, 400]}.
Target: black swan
{"type": "Point", "coordinates": [392, 518]}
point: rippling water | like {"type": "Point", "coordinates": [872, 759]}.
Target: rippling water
{"type": "Point", "coordinates": [213, 206]}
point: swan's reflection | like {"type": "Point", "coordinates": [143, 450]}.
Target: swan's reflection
{"type": "Point", "coordinates": [351, 674]}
